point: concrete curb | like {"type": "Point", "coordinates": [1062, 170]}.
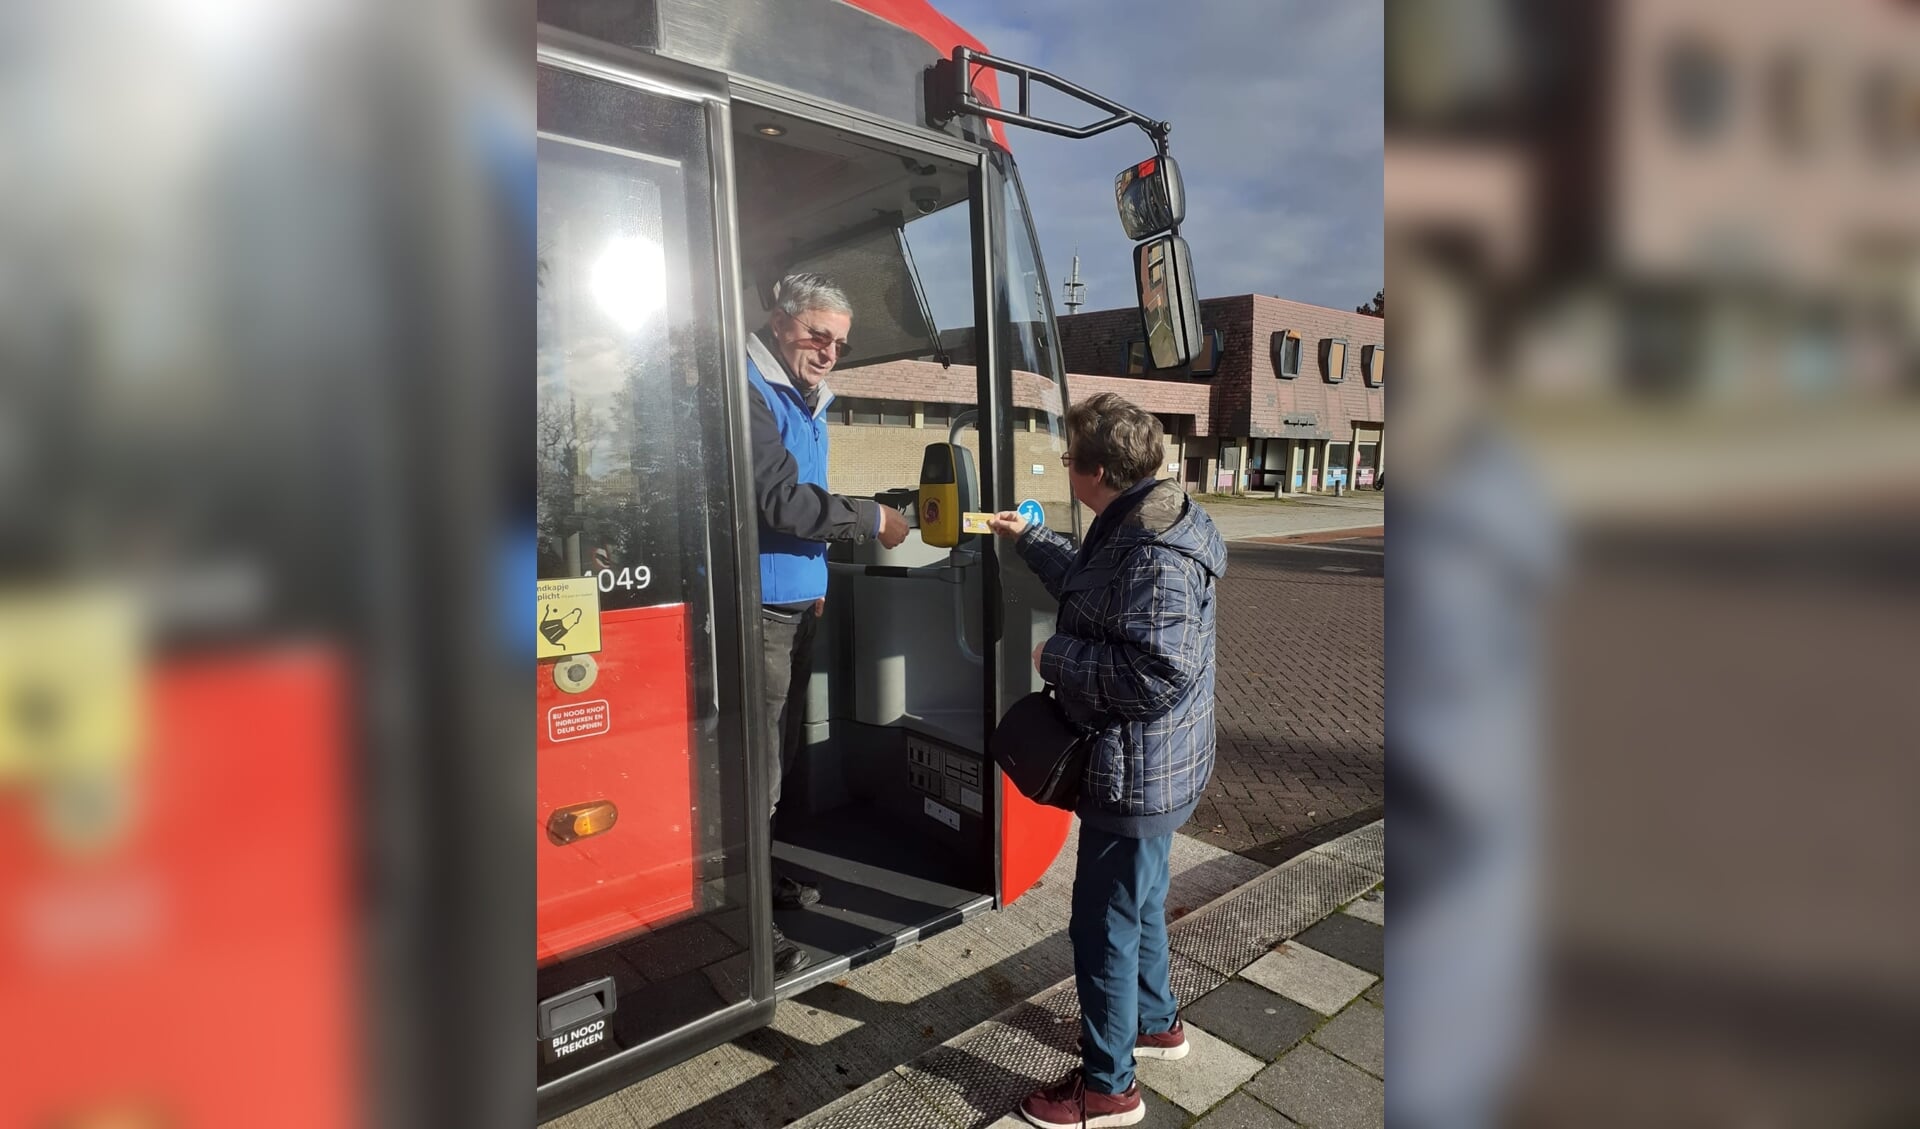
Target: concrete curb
{"type": "Point", "coordinates": [974, 1078]}
{"type": "Point", "coordinates": [1373, 528]}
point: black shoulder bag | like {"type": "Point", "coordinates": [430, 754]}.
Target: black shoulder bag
{"type": "Point", "coordinates": [1043, 753]}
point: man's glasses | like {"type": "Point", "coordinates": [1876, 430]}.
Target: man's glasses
{"type": "Point", "coordinates": [823, 340]}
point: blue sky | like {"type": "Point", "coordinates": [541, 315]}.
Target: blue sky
{"type": "Point", "coordinates": [1276, 112]}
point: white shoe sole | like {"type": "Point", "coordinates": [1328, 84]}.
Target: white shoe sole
{"type": "Point", "coordinates": [1131, 1117]}
{"type": "Point", "coordinates": [1169, 1054]}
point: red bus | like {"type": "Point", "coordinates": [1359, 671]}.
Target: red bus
{"type": "Point", "coordinates": [690, 154]}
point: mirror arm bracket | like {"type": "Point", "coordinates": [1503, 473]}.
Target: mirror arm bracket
{"type": "Point", "coordinates": [960, 98]}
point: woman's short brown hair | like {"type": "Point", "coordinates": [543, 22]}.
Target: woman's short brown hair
{"type": "Point", "coordinates": [1106, 432]}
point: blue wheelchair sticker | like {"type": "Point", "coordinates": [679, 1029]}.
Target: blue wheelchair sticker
{"type": "Point", "coordinates": [1033, 512]}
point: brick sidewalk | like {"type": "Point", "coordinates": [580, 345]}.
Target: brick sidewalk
{"type": "Point", "coordinates": [1300, 698]}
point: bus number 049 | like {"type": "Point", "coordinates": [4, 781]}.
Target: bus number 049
{"type": "Point", "coordinates": [628, 578]}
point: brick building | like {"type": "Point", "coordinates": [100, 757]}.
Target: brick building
{"type": "Point", "coordinates": [884, 415]}
{"type": "Point", "coordinates": [1285, 396]}
{"type": "Point", "coordinates": [1288, 397]}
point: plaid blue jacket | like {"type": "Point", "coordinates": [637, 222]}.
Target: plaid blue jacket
{"type": "Point", "coordinates": [1132, 656]}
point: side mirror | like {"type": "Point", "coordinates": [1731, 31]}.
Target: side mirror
{"type": "Point", "coordinates": [1151, 197]}
{"type": "Point", "coordinates": [1169, 302]}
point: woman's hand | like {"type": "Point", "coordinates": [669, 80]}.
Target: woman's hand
{"type": "Point", "coordinates": [1007, 523]}
{"type": "Point", "coordinates": [1036, 655]}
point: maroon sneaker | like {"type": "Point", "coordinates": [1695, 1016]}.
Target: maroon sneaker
{"type": "Point", "coordinates": [1170, 1044]}
{"type": "Point", "coordinates": [1068, 1104]}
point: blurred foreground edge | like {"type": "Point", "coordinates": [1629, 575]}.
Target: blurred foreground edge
{"type": "Point", "coordinates": [264, 342]}
{"type": "Point", "coordinates": [1667, 251]}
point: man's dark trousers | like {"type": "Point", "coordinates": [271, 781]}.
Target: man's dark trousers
{"type": "Point", "coordinates": [789, 633]}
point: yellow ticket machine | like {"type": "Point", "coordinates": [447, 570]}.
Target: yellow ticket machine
{"type": "Point", "coordinates": [949, 487]}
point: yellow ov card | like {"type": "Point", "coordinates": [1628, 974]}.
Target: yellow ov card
{"type": "Point", "coordinates": [974, 523]}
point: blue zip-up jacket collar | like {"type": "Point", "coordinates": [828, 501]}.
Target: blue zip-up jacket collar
{"type": "Point", "coordinates": [772, 367]}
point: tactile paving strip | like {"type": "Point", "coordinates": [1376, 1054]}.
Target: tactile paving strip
{"type": "Point", "coordinates": [1191, 979]}
{"type": "Point", "coordinates": [976, 1081]}
{"type": "Point", "coordinates": [894, 1105]}
{"type": "Point", "coordinates": [1233, 934]}
{"type": "Point", "coordinates": [1365, 846]}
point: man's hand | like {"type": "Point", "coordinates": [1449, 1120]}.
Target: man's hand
{"type": "Point", "coordinates": [1007, 523]}
{"type": "Point", "coordinates": [893, 527]}
{"type": "Point", "coordinates": [1036, 655]}
{"type": "Point", "coordinates": [820, 607]}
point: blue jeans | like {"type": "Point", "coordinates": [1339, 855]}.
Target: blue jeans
{"type": "Point", "coordinates": [1119, 933]}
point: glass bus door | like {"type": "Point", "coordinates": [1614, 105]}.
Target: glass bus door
{"type": "Point", "coordinates": [649, 938]}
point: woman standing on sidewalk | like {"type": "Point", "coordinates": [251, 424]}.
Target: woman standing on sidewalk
{"type": "Point", "coordinates": [1131, 658]}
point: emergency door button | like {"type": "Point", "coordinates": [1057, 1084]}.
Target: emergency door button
{"type": "Point", "coordinates": [571, 1009]}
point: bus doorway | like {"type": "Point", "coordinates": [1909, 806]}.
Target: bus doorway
{"type": "Point", "coordinates": [888, 809]}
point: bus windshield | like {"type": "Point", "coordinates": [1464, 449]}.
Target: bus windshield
{"type": "Point", "coordinates": [1027, 340]}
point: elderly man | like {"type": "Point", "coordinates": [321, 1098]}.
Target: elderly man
{"type": "Point", "coordinates": [787, 364]}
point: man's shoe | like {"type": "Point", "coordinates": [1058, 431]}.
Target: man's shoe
{"type": "Point", "coordinates": [1068, 1104]}
{"type": "Point", "coordinates": [788, 958]}
{"type": "Point", "coordinates": [790, 894]}
{"type": "Point", "coordinates": [1170, 1044]}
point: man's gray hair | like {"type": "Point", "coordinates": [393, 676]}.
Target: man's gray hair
{"type": "Point", "coordinates": [798, 293]}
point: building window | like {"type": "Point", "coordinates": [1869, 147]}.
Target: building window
{"type": "Point", "coordinates": [1286, 354]}
{"type": "Point", "coordinates": [1890, 106]}
{"type": "Point", "coordinates": [1133, 361]}
{"type": "Point", "coordinates": [1333, 359]}
{"type": "Point", "coordinates": [1364, 474]}
{"type": "Point", "coordinates": [1795, 97]}
{"type": "Point", "coordinates": [1206, 362]}
{"type": "Point", "coordinates": [1373, 364]}
{"type": "Point", "coordinates": [1274, 464]}
{"type": "Point", "coordinates": [878, 413]}
{"type": "Point", "coordinates": [936, 415]}
{"type": "Point", "coordinates": [1699, 89]}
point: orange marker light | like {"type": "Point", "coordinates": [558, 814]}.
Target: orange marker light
{"type": "Point", "coordinates": [580, 821]}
